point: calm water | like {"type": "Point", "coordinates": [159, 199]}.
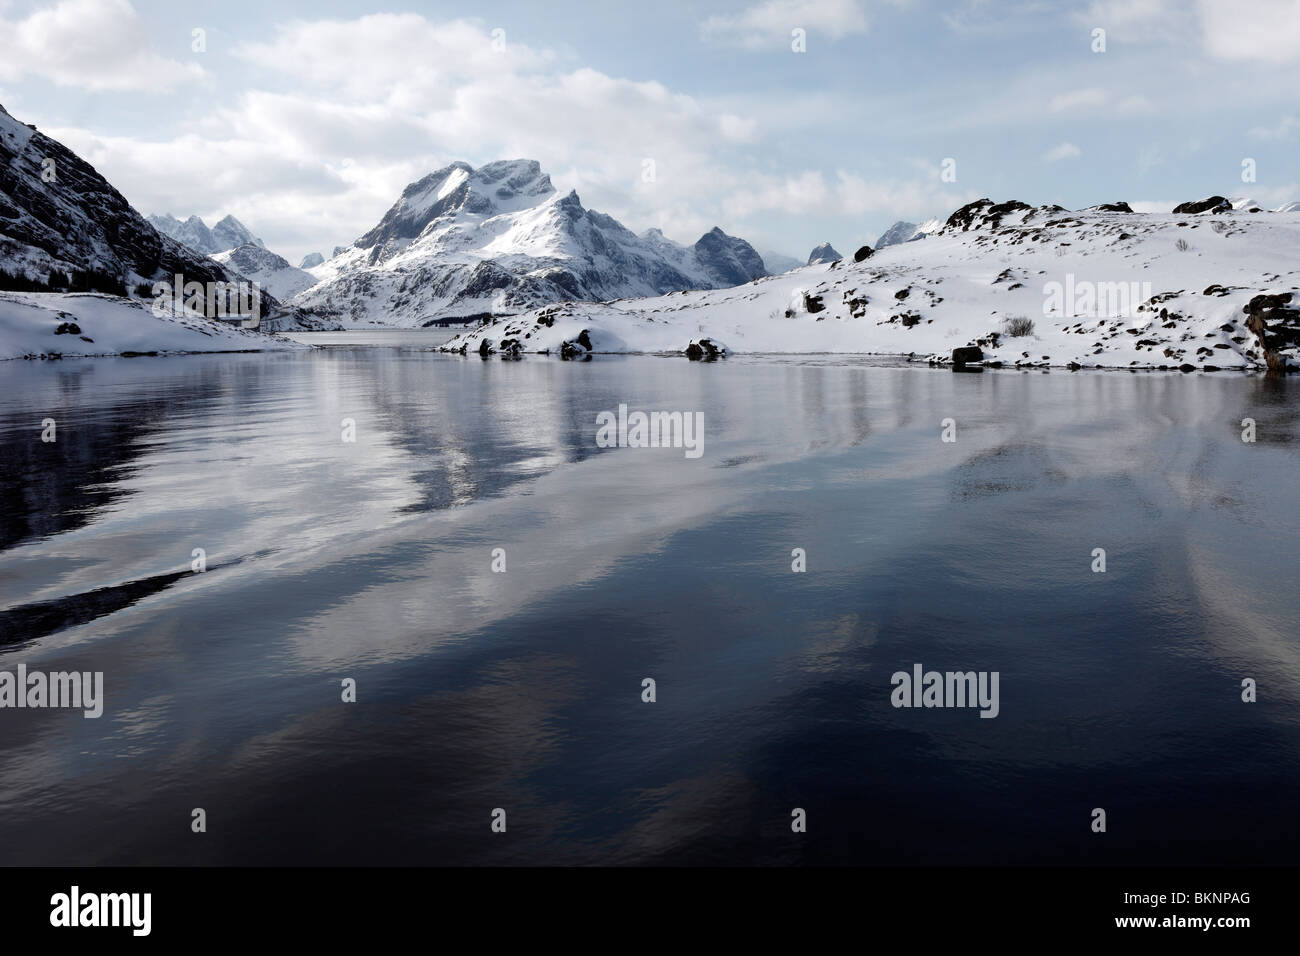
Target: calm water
{"type": "Point", "coordinates": [476, 690]}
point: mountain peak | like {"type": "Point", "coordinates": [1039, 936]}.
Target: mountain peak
{"type": "Point", "coordinates": [507, 185]}
{"type": "Point", "coordinates": [823, 253]}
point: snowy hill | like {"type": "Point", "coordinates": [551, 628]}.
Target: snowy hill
{"type": "Point", "coordinates": [464, 242]}
{"type": "Point", "coordinates": [273, 273]}
{"type": "Point", "coordinates": [822, 254]}
{"type": "Point", "coordinates": [50, 325]}
{"type": "Point", "coordinates": [228, 234]}
{"type": "Point", "coordinates": [1028, 287]}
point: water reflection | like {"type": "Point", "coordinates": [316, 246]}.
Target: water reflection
{"type": "Point", "coordinates": [371, 560]}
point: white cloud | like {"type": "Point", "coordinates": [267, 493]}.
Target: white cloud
{"type": "Point", "coordinates": [914, 198]}
{"type": "Point", "coordinates": [1079, 99]}
{"type": "Point", "coordinates": [97, 45]}
{"type": "Point", "coordinates": [1149, 157]}
{"type": "Point", "coordinates": [1095, 98]}
{"type": "Point", "coordinates": [313, 164]}
{"type": "Point", "coordinates": [1266, 31]}
{"type": "Point", "coordinates": [1285, 128]}
{"type": "Point", "coordinates": [1257, 30]}
{"type": "Point", "coordinates": [1058, 153]}
{"type": "Point", "coordinates": [771, 23]}
{"type": "Point", "coordinates": [1154, 205]}
{"type": "Point", "coordinates": [1110, 14]}
{"type": "Point", "coordinates": [1134, 106]}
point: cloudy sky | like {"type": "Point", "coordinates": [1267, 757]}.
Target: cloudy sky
{"type": "Point", "coordinates": [306, 120]}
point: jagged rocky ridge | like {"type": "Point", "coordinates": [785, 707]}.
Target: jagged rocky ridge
{"type": "Point", "coordinates": [1016, 285]}
{"type": "Point", "coordinates": [71, 219]}
{"type": "Point", "coordinates": [227, 234]}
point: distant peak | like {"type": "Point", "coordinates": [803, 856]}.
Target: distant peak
{"type": "Point", "coordinates": [823, 253]}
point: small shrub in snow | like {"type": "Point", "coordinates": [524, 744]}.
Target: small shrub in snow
{"type": "Point", "coordinates": [1015, 326]}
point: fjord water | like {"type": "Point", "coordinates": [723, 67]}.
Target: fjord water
{"type": "Point", "coordinates": [371, 560]}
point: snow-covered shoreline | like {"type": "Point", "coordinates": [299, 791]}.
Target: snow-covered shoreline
{"type": "Point", "coordinates": [1186, 282]}
{"type": "Point", "coordinates": [83, 325]}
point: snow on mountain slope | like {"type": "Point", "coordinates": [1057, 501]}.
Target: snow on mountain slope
{"type": "Point", "coordinates": [1103, 288]}
{"type": "Point", "coordinates": [228, 234]}
{"type": "Point", "coordinates": [66, 325]}
{"type": "Point", "coordinates": [902, 231]}
{"type": "Point", "coordinates": [274, 274]}
{"type": "Point", "coordinates": [823, 253]}
{"type": "Point", "coordinates": [465, 242]}
{"type": "Point", "coordinates": [1289, 207]}
{"type": "Point", "coordinates": [57, 212]}
{"type": "Point", "coordinates": [311, 260]}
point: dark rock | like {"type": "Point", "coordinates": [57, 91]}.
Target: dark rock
{"type": "Point", "coordinates": [1214, 204]}
{"type": "Point", "coordinates": [813, 303]}
{"type": "Point", "coordinates": [966, 354]}
{"type": "Point", "coordinates": [864, 252]}
{"type": "Point", "coordinates": [1113, 207]}
{"type": "Point", "coordinates": [982, 212]}
{"type": "Point", "coordinates": [68, 328]}
{"type": "Point", "coordinates": [1275, 326]}
{"type": "Point", "coordinates": [704, 349]}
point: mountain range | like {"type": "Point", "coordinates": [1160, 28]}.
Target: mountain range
{"type": "Point", "coordinates": [227, 234]}
{"type": "Point", "coordinates": [464, 243]}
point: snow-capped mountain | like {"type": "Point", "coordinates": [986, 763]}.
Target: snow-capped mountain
{"type": "Point", "coordinates": [232, 244]}
{"type": "Point", "coordinates": [902, 231]}
{"type": "Point", "coordinates": [1019, 286]}
{"type": "Point", "coordinates": [227, 234]}
{"type": "Point", "coordinates": [465, 242]}
{"type": "Point", "coordinates": [273, 273]}
{"type": "Point", "coordinates": [58, 213]}
{"type": "Point", "coordinates": [311, 260]}
{"type": "Point", "coordinates": [823, 253]}
{"type": "Point", "coordinates": [1293, 206]}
